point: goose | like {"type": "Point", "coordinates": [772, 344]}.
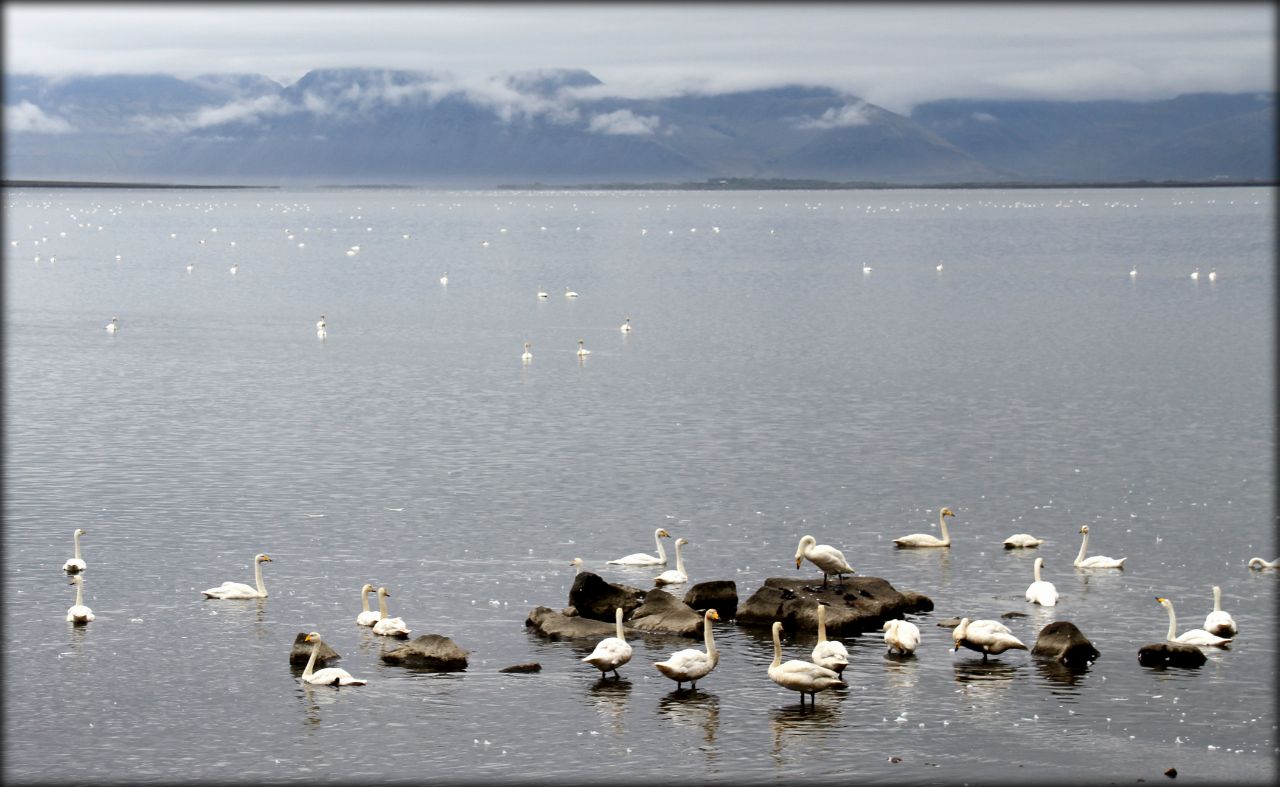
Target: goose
{"type": "Point", "coordinates": [238, 590]}
{"type": "Point", "coordinates": [644, 558]}
{"type": "Point", "coordinates": [611, 652]}
{"type": "Point", "coordinates": [1097, 561]}
{"type": "Point", "coordinates": [329, 676]}
{"type": "Point", "coordinates": [1258, 564]}
{"type": "Point", "coordinates": [1022, 541]}
{"type": "Point", "coordinates": [986, 637]}
{"type": "Point", "coordinates": [528, 356]}
{"type": "Point", "coordinates": [829, 653]}
{"type": "Point", "coordinates": [1218, 622]}
{"type": "Point", "coordinates": [690, 664]}
{"type": "Point", "coordinates": [902, 636]}
{"type": "Point", "coordinates": [1192, 636]}
{"type": "Point", "coordinates": [626, 326]}
{"type": "Point", "coordinates": [1213, 274]}
{"type": "Point", "coordinates": [921, 540]}
{"type": "Point", "coordinates": [76, 564]}
{"type": "Point", "coordinates": [388, 626]}
{"type": "Point", "coordinates": [802, 676]}
{"type": "Point", "coordinates": [445, 278]}
{"type": "Point", "coordinates": [676, 575]}
{"type": "Point", "coordinates": [568, 293]}
{"type": "Point", "coordinates": [78, 613]}
{"type": "Point", "coordinates": [114, 325]}
{"type": "Point", "coordinates": [824, 556]}
{"type": "Point", "coordinates": [1195, 274]}
{"type": "Point", "coordinates": [1041, 592]}
{"type": "Point", "coordinates": [367, 617]}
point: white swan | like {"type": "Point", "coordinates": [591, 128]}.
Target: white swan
{"type": "Point", "coordinates": [388, 626]}
{"type": "Point", "coordinates": [583, 352]}
{"type": "Point", "coordinates": [543, 295]}
{"type": "Point", "coordinates": [1041, 592]}
{"type": "Point", "coordinates": [568, 293]}
{"type": "Point", "coordinates": [626, 326]}
{"type": "Point", "coordinates": [75, 565]}
{"type": "Point", "coordinates": [644, 558]}
{"type": "Point", "coordinates": [367, 617]}
{"type": "Point", "coordinates": [234, 269]}
{"type": "Point", "coordinates": [1258, 564]}
{"type": "Point", "coordinates": [1097, 561]}
{"type": "Point", "coordinates": [78, 612]}
{"type": "Point", "coordinates": [866, 268]}
{"type": "Point", "coordinates": [445, 278]}
{"type": "Point", "coordinates": [1022, 541]}
{"type": "Point", "coordinates": [113, 326]}
{"type": "Point", "coordinates": [902, 636]}
{"type": "Point", "coordinates": [329, 676]}
{"type": "Point", "coordinates": [577, 565]}
{"type": "Point", "coordinates": [528, 356]}
{"type": "Point", "coordinates": [690, 664]}
{"type": "Point", "coordinates": [921, 540]}
{"type": "Point", "coordinates": [829, 653]}
{"type": "Point", "coordinates": [675, 575]}
{"type": "Point", "coordinates": [1134, 270]}
{"type": "Point", "coordinates": [824, 556]}
{"type": "Point", "coordinates": [611, 652]}
{"type": "Point", "coordinates": [1195, 274]}
{"type": "Point", "coordinates": [1219, 622]}
{"type": "Point", "coordinates": [320, 323]}
{"type": "Point", "coordinates": [802, 676]}
{"type": "Point", "coordinates": [1192, 636]}
{"type": "Point", "coordinates": [238, 590]}
{"type": "Point", "coordinates": [1213, 274]}
{"type": "Point", "coordinates": [986, 637]}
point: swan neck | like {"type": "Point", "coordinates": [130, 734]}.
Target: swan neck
{"type": "Point", "coordinates": [679, 559]}
{"type": "Point", "coordinates": [1217, 599]}
{"type": "Point", "coordinates": [77, 540]}
{"type": "Point", "coordinates": [822, 623]}
{"type": "Point", "coordinates": [1037, 569]}
{"type": "Point", "coordinates": [777, 650]}
{"type": "Point", "coordinates": [257, 577]}
{"type": "Point", "coordinates": [1173, 622]}
{"type": "Point", "coordinates": [618, 619]}
{"type": "Point", "coordinates": [311, 662]}
{"type": "Point", "coordinates": [707, 638]}
{"type": "Point", "coordinates": [382, 606]}
{"type": "Point", "coordinates": [942, 525]}
{"type": "Point", "coordinates": [1084, 545]}
{"type": "Point", "coordinates": [662, 553]}
{"type": "Point", "coordinates": [79, 594]}
{"type": "Point", "coordinates": [364, 601]}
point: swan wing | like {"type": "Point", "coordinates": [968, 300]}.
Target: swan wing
{"type": "Point", "coordinates": [334, 676]}
{"type": "Point", "coordinates": [830, 654]}
{"type": "Point", "coordinates": [637, 559]}
{"type": "Point", "coordinates": [232, 590]}
{"type": "Point", "coordinates": [610, 653]}
{"type": "Point", "coordinates": [688, 664]}
{"type": "Point", "coordinates": [391, 627]}
{"type": "Point", "coordinates": [1220, 623]}
{"type": "Point", "coordinates": [1202, 637]}
{"type": "Point", "coordinates": [367, 618]}
{"type": "Point", "coordinates": [73, 565]}
{"type": "Point", "coordinates": [1100, 561]}
{"type": "Point", "coordinates": [917, 540]}
{"type": "Point", "coordinates": [672, 577]}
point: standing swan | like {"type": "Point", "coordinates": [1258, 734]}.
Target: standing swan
{"type": "Point", "coordinates": [644, 558]}
{"type": "Point", "coordinates": [75, 565]}
{"type": "Point", "coordinates": [675, 575]}
{"type": "Point", "coordinates": [690, 664]}
{"type": "Point", "coordinates": [78, 613]}
{"type": "Point", "coordinates": [238, 590]}
{"type": "Point", "coordinates": [986, 637]}
{"type": "Point", "coordinates": [824, 556]}
{"type": "Point", "coordinates": [367, 617]}
{"type": "Point", "coordinates": [611, 652]}
{"type": "Point", "coordinates": [1218, 622]}
{"type": "Point", "coordinates": [1097, 561]}
{"type": "Point", "coordinates": [1041, 592]}
{"type": "Point", "coordinates": [829, 653]}
{"type": "Point", "coordinates": [329, 676]}
{"type": "Point", "coordinates": [902, 636]}
{"type": "Point", "coordinates": [802, 676]}
{"type": "Point", "coordinates": [921, 540]}
{"type": "Point", "coordinates": [388, 626]}
{"type": "Point", "coordinates": [1192, 637]}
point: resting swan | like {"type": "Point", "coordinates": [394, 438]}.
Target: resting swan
{"type": "Point", "coordinates": [1022, 541]}
{"type": "Point", "coordinates": [922, 540]}
{"type": "Point", "coordinates": [676, 575]}
{"type": "Point", "coordinates": [1193, 636]}
{"type": "Point", "coordinates": [1218, 622]}
{"type": "Point", "coordinates": [824, 556]}
{"type": "Point", "coordinates": [1258, 564]}
{"type": "Point", "coordinates": [829, 653]}
{"type": "Point", "coordinates": [1041, 592]}
{"type": "Point", "coordinates": [75, 565]}
{"type": "Point", "coordinates": [329, 676]}
{"type": "Point", "coordinates": [644, 558]}
{"type": "Point", "coordinates": [1097, 561]}
{"type": "Point", "coordinates": [986, 637]}
{"type": "Point", "coordinates": [690, 664]}
{"type": "Point", "coordinates": [611, 652]}
{"type": "Point", "coordinates": [388, 626]}
{"type": "Point", "coordinates": [802, 676]}
{"type": "Point", "coordinates": [78, 613]}
{"type": "Point", "coordinates": [238, 590]}
{"type": "Point", "coordinates": [902, 636]}
{"type": "Point", "coordinates": [367, 617]}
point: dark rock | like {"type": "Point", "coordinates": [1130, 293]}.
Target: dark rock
{"type": "Point", "coordinates": [860, 604]}
{"type": "Point", "coordinates": [1172, 773]}
{"type": "Point", "coordinates": [1170, 654]}
{"type": "Point", "coordinates": [919, 601]}
{"type": "Point", "coordinates": [302, 652]}
{"type": "Point", "coordinates": [895, 760]}
{"type": "Point", "coordinates": [528, 666]}
{"type": "Point", "coordinates": [1012, 615]}
{"type": "Point", "coordinates": [718, 594]}
{"type": "Point", "coordinates": [553, 625]}
{"type": "Point", "coordinates": [1063, 642]}
{"type": "Point", "coordinates": [596, 599]}
{"type": "Point", "coordinates": [429, 650]}
{"type": "Point", "coordinates": [663, 613]}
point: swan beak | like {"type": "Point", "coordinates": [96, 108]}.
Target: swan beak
{"type": "Point", "coordinates": [266, 558]}
{"type": "Point", "coordinates": [1161, 600]}
{"type": "Point", "coordinates": [798, 561]}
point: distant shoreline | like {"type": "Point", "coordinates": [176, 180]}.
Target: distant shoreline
{"type": "Point", "coordinates": [89, 184]}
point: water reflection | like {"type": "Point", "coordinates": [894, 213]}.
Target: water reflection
{"type": "Point", "coordinates": [313, 698]}
{"type": "Point", "coordinates": [985, 684]}
{"type": "Point", "coordinates": [814, 725]}
{"type": "Point", "coordinates": [610, 696]}
{"type": "Point", "coordinates": [694, 710]}
{"type": "Point", "coordinates": [902, 677]}
{"type": "Point", "coordinates": [1061, 675]}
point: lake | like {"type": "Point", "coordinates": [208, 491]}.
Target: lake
{"type": "Point", "coordinates": [770, 389]}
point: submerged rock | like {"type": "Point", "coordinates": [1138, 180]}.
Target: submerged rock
{"type": "Point", "coordinates": [302, 652]}
{"type": "Point", "coordinates": [528, 666]}
{"type": "Point", "coordinates": [432, 651]}
{"type": "Point", "coordinates": [861, 604]}
{"type": "Point", "coordinates": [718, 594]}
{"type": "Point", "coordinates": [596, 599]}
{"type": "Point", "coordinates": [1170, 654]}
{"type": "Point", "coordinates": [1063, 642]}
{"type": "Point", "coordinates": [663, 613]}
{"type": "Point", "coordinates": [553, 625]}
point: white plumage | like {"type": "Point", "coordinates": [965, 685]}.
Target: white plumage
{"type": "Point", "coordinates": [691, 664]}
{"type": "Point", "coordinates": [1219, 622]}
{"type": "Point", "coordinates": [644, 558]}
{"type": "Point", "coordinates": [831, 654]}
{"type": "Point", "coordinates": [76, 564]}
{"type": "Point", "coordinates": [1022, 541]}
{"type": "Point", "coordinates": [386, 625]}
{"type": "Point", "coordinates": [826, 557]}
{"type": "Point", "coordinates": [1192, 636]}
{"type": "Point", "coordinates": [901, 636]}
{"type": "Point", "coordinates": [239, 590]}
{"type": "Point", "coordinates": [367, 617]}
{"type": "Point", "coordinates": [988, 637]}
{"type": "Point", "coordinates": [329, 676]}
{"type": "Point", "coordinates": [802, 676]}
{"type": "Point", "coordinates": [1097, 561]}
{"type": "Point", "coordinates": [676, 575]}
{"type": "Point", "coordinates": [611, 652]}
{"type": "Point", "coordinates": [78, 613]}
{"type": "Point", "coordinates": [923, 540]}
{"type": "Point", "coordinates": [1041, 592]}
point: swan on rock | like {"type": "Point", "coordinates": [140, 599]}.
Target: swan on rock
{"type": "Point", "coordinates": [691, 664]}
{"type": "Point", "coordinates": [239, 590]}
{"type": "Point", "coordinates": [388, 626]}
{"type": "Point", "coordinates": [1041, 592]}
{"type": "Point", "coordinates": [76, 564]}
{"type": "Point", "coordinates": [1097, 561]}
{"type": "Point", "coordinates": [611, 652]}
{"type": "Point", "coordinates": [829, 653]}
{"type": "Point", "coordinates": [367, 617]}
{"type": "Point", "coordinates": [988, 637]}
{"type": "Point", "coordinates": [1193, 636]}
{"type": "Point", "coordinates": [676, 575]}
{"type": "Point", "coordinates": [1219, 622]}
{"type": "Point", "coordinates": [902, 636]}
{"type": "Point", "coordinates": [78, 613]}
{"type": "Point", "coordinates": [824, 556]}
{"type": "Point", "coordinates": [802, 676]}
{"type": "Point", "coordinates": [1022, 541]}
{"type": "Point", "coordinates": [644, 558]}
{"type": "Point", "coordinates": [924, 540]}
{"type": "Point", "coordinates": [329, 676]}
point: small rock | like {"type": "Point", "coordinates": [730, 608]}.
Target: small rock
{"type": "Point", "coordinates": [663, 613]}
{"type": "Point", "coordinates": [1170, 654]}
{"type": "Point", "coordinates": [528, 666]}
{"type": "Point", "coordinates": [895, 759]}
{"type": "Point", "coordinates": [431, 651]}
{"type": "Point", "coordinates": [1063, 642]}
{"type": "Point", "coordinates": [948, 623]}
{"type": "Point", "coordinates": [596, 599]}
{"type": "Point", "coordinates": [718, 594]}
{"type": "Point", "coordinates": [553, 625]}
{"type": "Point", "coordinates": [1011, 615]}
{"type": "Point", "coordinates": [1172, 773]}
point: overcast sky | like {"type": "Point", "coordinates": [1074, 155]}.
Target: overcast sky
{"type": "Point", "coordinates": [892, 55]}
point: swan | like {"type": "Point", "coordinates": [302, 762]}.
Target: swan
{"type": "Point", "coordinates": [611, 652]}
{"type": "Point", "coordinates": [1213, 274]}
{"type": "Point", "coordinates": [583, 352]}
{"type": "Point", "coordinates": [1193, 636]}
{"type": "Point", "coordinates": [367, 617]}
{"type": "Point", "coordinates": [234, 268]}
{"type": "Point", "coordinates": [829, 653]}
{"type": "Point", "coordinates": [985, 636]}
{"type": "Point", "coordinates": [866, 268]}
{"type": "Point", "coordinates": [543, 295]}
{"type": "Point", "coordinates": [675, 575]}
{"type": "Point", "coordinates": [1097, 561]}
{"type": "Point", "coordinates": [528, 356]}
{"type": "Point", "coordinates": [388, 626]}
{"type": "Point", "coordinates": [644, 558]}
{"type": "Point", "coordinates": [824, 556]}
{"type": "Point", "coordinates": [320, 323]}
{"type": "Point", "coordinates": [190, 267]}
{"type": "Point", "coordinates": [113, 326]}
{"type": "Point", "coordinates": [1134, 270]}
{"type": "Point", "coordinates": [1041, 592]}
{"type": "Point", "coordinates": [329, 676]}
{"type": "Point", "coordinates": [237, 590]}
{"type": "Point", "coordinates": [1258, 564]}
{"type": "Point", "coordinates": [802, 676]}
{"type": "Point", "coordinates": [1218, 622]}
{"type": "Point", "coordinates": [690, 664]}
{"type": "Point", "coordinates": [75, 565]}
{"type": "Point", "coordinates": [568, 293]}
{"type": "Point", "coordinates": [902, 636]}
{"type": "Point", "coordinates": [921, 540]}
{"type": "Point", "coordinates": [938, 268]}
{"type": "Point", "coordinates": [626, 326]}
{"type": "Point", "coordinates": [577, 565]}
{"type": "Point", "coordinates": [445, 278]}
{"type": "Point", "coordinates": [1022, 541]}
{"type": "Point", "coordinates": [78, 612]}
{"type": "Point", "coordinates": [1195, 274]}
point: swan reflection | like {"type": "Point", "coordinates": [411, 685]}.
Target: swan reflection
{"type": "Point", "coordinates": [693, 709]}
{"type": "Point", "coordinates": [313, 697]}
{"type": "Point", "coordinates": [609, 696]}
{"type": "Point", "coordinates": [811, 725]}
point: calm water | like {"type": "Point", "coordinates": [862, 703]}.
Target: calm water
{"type": "Point", "coordinates": [770, 389]}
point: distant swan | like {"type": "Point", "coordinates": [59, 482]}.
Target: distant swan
{"type": "Point", "coordinates": [1041, 592]}
{"type": "Point", "coordinates": [75, 565]}
{"type": "Point", "coordinates": [113, 326]}
{"type": "Point", "coordinates": [320, 323]}
{"type": "Point", "coordinates": [78, 612]}
{"type": "Point", "coordinates": [329, 676]}
{"type": "Point", "coordinates": [238, 590]}
{"type": "Point", "coordinates": [1258, 564]}
{"type": "Point", "coordinates": [676, 575]}
{"type": "Point", "coordinates": [1097, 561]}
{"type": "Point", "coordinates": [1213, 274]}
{"type": "Point", "coordinates": [528, 356]}
{"type": "Point", "coordinates": [1219, 622]}
{"type": "Point", "coordinates": [986, 637]}
{"type": "Point", "coordinates": [626, 326]}
{"type": "Point", "coordinates": [1195, 274]}
{"type": "Point", "coordinates": [234, 268]}
{"type": "Point", "coordinates": [1022, 541]}
{"type": "Point", "coordinates": [445, 278]}
{"type": "Point", "coordinates": [802, 676]}
{"type": "Point", "coordinates": [583, 352]}
{"type": "Point", "coordinates": [1193, 636]}
{"type": "Point", "coordinates": [690, 664]}
{"type": "Point", "coordinates": [644, 558]}
{"type": "Point", "coordinates": [388, 626]}
{"type": "Point", "coordinates": [902, 636]}
{"type": "Point", "coordinates": [367, 617]}
{"type": "Point", "coordinates": [568, 293]}
{"type": "Point", "coordinates": [824, 556]}
{"type": "Point", "coordinates": [611, 652]}
{"type": "Point", "coordinates": [1134, 270]}
{"type": "Point", "coordinates": [828, 653]}
{"type": "Point", "coordinates": [866, 268]}
{"type": "Point", "coordinates": [543, 295]}
{"type": "Point", "coordinates": [922, 540]}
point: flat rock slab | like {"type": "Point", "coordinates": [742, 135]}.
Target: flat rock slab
{"type": "Point", "coordinates": [553, 625]}
{"type": "Point", "coordinates": [663, 613]}
{"type": "Point", "coordinates": [862, 604]}
{"type": "Point", "coordinates": [431, 651]}
{"type": "Point", "coordinates": [301, 652]}
{"type": "Point", "coordinates": [596, 599]}
{"type": "Point", "coordinates": [718, 594]}
{"type": "Point", "coordinates": [1170, 654]}
{"type": "Point", "coordinates": [1063, 642]}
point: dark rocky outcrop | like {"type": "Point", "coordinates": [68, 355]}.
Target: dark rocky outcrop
{"type": "Point", "coordinates": [1063, 642]}
{"type": "Point", "coordinates": [718, 594]}
{"type": "Point", "coordinates": [596, 599]}
{"type": "Point", "coordinates": [554, 625]}
{"type": "Point", "coordinates": [1170, 654]}
{"type": "Point", "coordinates": [663, 613]}
{"type": "Point", "coordinates": [302, 651]}
{"type": "Point", "coordinates": [430, 651]}
{"type": "Point", "coordinates": [528, 666]}
{"type": "Point", "coordinates": [861, 604]}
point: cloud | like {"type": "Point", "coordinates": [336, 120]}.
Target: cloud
{"type": "Point", "coordinates": [249, 111]}
{"type": "Point", "coordinates": [855, 114]}
{"type": "Point", "coordinates": [623, 121]}
{"type": "Point", "coordinates": [984, 117]}
{"type": "Point", "coordinates": [32, 119]}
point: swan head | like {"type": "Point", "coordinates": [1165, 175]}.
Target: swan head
{"type": "Point", "coordinates": [713, 615]}
{"type": "Point", "coordinates": [1164, 602]}
{"type": "Point", "coordinates": [261, 558]}
{"type": "Point", "coordinates": [76, 579]}
{"type": "Point", "coordinates": [946, 512]}
{"type": "Point", "coordinates": [958, 633]}
{"type": "Point", "coordinates": [662, 533]}
{"type": "Point", "coordinates": [681, 541]}
{"type": "Point", "coordinates": [1084, 529]}
{"type": "Point", "coordinates": [80, 531]}
{"type": "Point", "coordinates": [577, 561]}
{"type": "Point", "coordinates": [312, 637]}
{"type": "Point", "coordinates": [383, 592]}
{"type": "Point", "coordinates": [365, 588]}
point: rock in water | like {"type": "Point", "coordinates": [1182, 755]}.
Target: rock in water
{"type": "Point", "coordinates": [528, 666]}
{"type": "Point", "coordinates": [718, 594]}
{"type": "Point", "coordinates": [663, 613]}
{"type": "Point", "coordinates": [1063, 642]}
{"type": "Point", "coordinates": [554, 625]}
{"type": "Point", "coordinates": [1170, 654]}
{"type": "Point", "coordinates": [431, 651]}
{"type": "Point", "coordinates": [302, 652]}
{"type": "Point", "coordinates": [862, 604]}
{"type": "Point", "coordinates": [596, 599]}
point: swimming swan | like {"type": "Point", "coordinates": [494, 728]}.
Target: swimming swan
{"type": "Point", "coordinates": [388, 626]}
{"type": "Point", "coordinates": [238, 590]}
{"type": "Point", "coordinates": [113, 326]}
{"type": "Point", "coordinates": [626, 326]}
{"type": "Point", "coordinates": [986, 637]}
{"type": "Point", "coordinates": [922, 540]}
{"type": "Point", "coordinates": [824, 556]}
{"type": "Point", "coordinates": [676, 575]}
{"type": "Point", "coordinates": [1193, 636]}
{"type": "Point", "coordinates": [78, 613]}
{"type": "Point", "coordinates": [528, 356]}
{"type": "Point", "coordinates": [1022, 541]}
{"type": "Point", "coordinates": [611, 652]}
{"type": "Point", "coordinates": [829, 653]}
{"type": "Point", "coordinates": [690, 664]}
{"type": "Point", "coordinates": [1258, 564]}
{"type": "Point", "coordinates": [902, 636]}
{"type": "Point", "coordinates": [644, 558]}
{"type": "Point", "coordinates": [583, 352]}
{"type": "Point", "coordinates": [568, 293]}
{"type": "Point", "coordinates": [802, 676]}
{"type": "Point", "coordinates": [367, 617]}
{"type": "Point", "coordinates": [329, 676]}
{"type": "Point", "coordinates": [1041, 592]}
{"type": "Point", "coordinates": [75, 565]}
{"type": "Point", "coordinates": [1097, 561]}
{"type": "Point", "coordinates": [1218, 622]}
